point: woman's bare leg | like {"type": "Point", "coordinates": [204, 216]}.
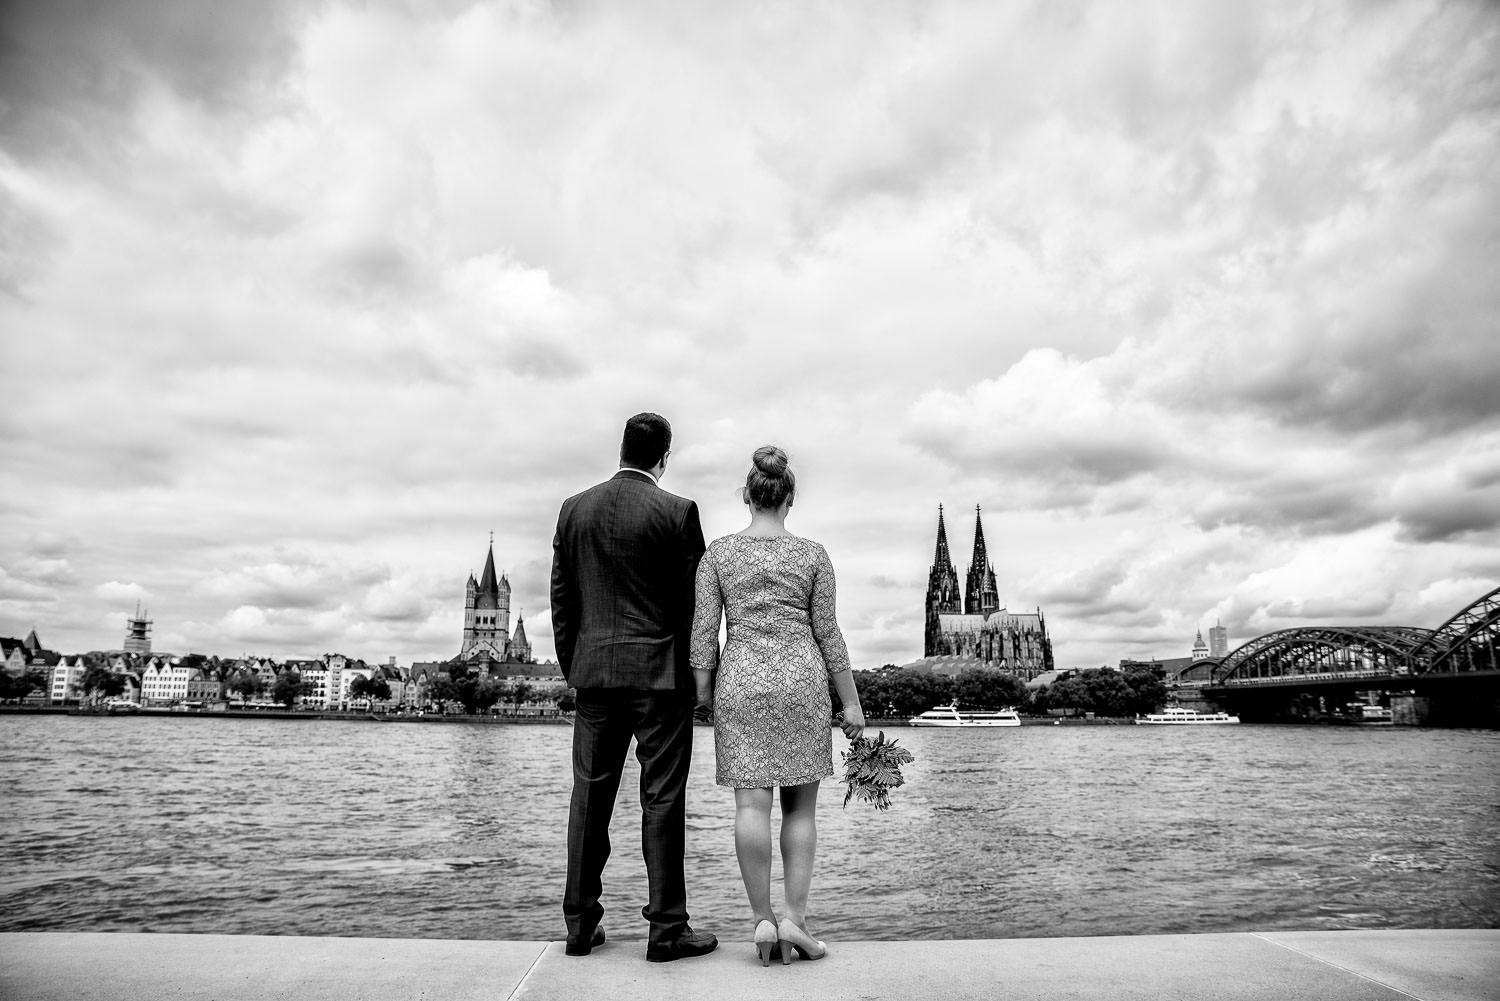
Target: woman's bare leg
{"type": "Point", "coordinates": [799, 844]}
{"type": "Point", "coordinates": [752, 845]}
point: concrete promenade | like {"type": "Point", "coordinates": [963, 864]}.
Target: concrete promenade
{"type": "Point", "coordinates": [1459, 965]}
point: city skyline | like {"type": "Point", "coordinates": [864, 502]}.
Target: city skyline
{"type": "Point", "coordinates": [303, 299]}
{"type": "Point", "coordinates": [137, 641]}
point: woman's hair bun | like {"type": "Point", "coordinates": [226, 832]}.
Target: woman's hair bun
{"type": "Point", "coordinates": [770, 460]}
{"type": "Point", "coordinates": [771, 480]}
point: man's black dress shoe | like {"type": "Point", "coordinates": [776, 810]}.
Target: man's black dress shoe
{"type": "Point", "coordinates": [685, 946]}
{"type": "Point", "coordinates": [577, 948]}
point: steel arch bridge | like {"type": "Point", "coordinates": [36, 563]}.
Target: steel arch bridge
{"type": "Point", "coordinates": [1470, 641]}
{"type": "Point", "coordinates": [1323, 653]}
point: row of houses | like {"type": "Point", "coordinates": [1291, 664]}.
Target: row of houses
{"type": "Point", "coordinates": [19, 656]}
{"type": "Point", "coordinates": [161, 680]}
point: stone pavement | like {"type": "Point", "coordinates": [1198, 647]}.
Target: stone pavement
{"type": "Point", "coordinates": [1462, 965]}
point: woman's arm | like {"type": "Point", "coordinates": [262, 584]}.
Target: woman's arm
{"type": "Point", "coordinates": [825, 627]}
{"type": "Point", "coordinates": [853, 722]}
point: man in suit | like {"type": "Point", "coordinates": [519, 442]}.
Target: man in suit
{"type": "Point", "coordinates": [624, 561]}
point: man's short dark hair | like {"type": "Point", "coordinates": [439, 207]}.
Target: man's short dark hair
{"type": "Point", "coordinates": [647, 438]}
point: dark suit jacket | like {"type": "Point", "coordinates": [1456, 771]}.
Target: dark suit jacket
{"type": "Point", "coordinates": [624, 561]}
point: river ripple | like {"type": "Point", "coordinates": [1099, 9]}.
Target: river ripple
{"type": "Point", "coordinates": [313, 827]}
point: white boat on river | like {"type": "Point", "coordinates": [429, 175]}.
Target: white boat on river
{"type": "Point", "coordinates": [1178, 716]}
{"type": "Point", "coordinates": [952, 716]}
{"type": "Point", "coordinates": [1367, 715]}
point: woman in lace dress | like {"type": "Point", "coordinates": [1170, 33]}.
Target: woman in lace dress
{"type": "Point", "coordinates": [769, 693]}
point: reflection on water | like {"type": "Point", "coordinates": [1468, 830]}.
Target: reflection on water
{"type": "Point", "coordinates": [453, 831]}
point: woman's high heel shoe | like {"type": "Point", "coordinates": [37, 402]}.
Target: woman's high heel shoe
{"type": "Point", "coordinates": [765, 941]}
{"type": "Point", "coordinates": [793, 937]}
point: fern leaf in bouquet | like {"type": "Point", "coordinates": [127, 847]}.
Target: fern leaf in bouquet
{"type": "Point", "coordinates": [872, 768]}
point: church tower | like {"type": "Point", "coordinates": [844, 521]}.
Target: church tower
{"type": "Point", "coordinates": [486, 612]}
{"type": "Point", "coordinates": [982, 596]}
{"type": "Point", "coordinates": [520, 646]}
{"type": "Point", "coordinates": [1200, 648]}
{"type": "Point", "coordinates": [942, 590]}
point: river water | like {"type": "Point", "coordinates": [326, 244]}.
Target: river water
{"type": "Point", "coordinates": [319, 827]}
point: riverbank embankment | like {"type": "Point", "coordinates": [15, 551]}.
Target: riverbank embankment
{"type": "Point", "coordinates": [1449, 965]}
{"type": "Point", "coordinates": [292, 714]}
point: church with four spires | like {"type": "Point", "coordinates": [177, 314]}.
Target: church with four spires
{"type": "Point", "coordinates": [487, 637]}
{"type": "Point", "coordinates": [973, 624]}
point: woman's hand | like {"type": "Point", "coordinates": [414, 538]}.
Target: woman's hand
{"type": "Point", "coordinates": [703, 695]}
{"type": "Point", "coordinates": [852, 721]}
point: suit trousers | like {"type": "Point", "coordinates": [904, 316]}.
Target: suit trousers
{"type": "Point", "coordinates": [662, 724]}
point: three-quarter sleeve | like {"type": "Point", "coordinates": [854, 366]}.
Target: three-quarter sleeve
{"type": "Point", "coordinates": [708, 608]}
{"type": "Point", "coordinates": [824, 613]}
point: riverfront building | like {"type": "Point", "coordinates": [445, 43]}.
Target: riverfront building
{"type": "Point", "coordinates": [164, 681]}
{"type": "Point", "coordinates": [976, 626]}
{"type": "Point", "coordinates": [20, 656]}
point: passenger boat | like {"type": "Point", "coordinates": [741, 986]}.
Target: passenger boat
{"type": "Point", "coordinates": [951, 715]}
{"type": "Point", "coordinates": [1368, 715]}
{"type": "Point", "coordinates": [1178, 716]}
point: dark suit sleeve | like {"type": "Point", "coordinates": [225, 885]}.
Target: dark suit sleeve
{"type": "Point", "coordinates": [690, 538]}
{"type": "Point", "coordinates": [564, 603]}
{"type": "Point", "coordinates": [692, 551]}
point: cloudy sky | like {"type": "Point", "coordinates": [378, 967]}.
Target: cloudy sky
{"type": "Point", "coordinates": [300, 301]}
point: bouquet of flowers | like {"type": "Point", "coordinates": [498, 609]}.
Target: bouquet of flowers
{"type": "Point", "coordinates": [872, 768]}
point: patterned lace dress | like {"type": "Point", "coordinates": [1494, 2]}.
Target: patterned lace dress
{"type": "Point", "coordinates": [782, 643]}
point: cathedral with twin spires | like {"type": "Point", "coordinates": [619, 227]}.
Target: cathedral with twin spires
{"type": "Point", "coordinates": [976, 626]}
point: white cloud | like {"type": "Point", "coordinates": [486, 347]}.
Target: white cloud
{"type": "Point", "coordinates": [119, 593]}
{"type": "Point", "coordinates": [1048, 418]}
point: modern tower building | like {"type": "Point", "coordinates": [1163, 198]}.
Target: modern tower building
{"type": "Point", "coordinates": [137, 633]}
{"type": "Point", "coordinates": [1218, 640]}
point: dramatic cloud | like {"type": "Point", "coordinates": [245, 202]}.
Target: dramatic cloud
{"type": "Point", "coordinates": [304, 299]}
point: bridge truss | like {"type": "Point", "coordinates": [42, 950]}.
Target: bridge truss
{"type": "Point", "coordinates": [1317, 653]}
{"type": "Point", "coordinates": [1470, 641]}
